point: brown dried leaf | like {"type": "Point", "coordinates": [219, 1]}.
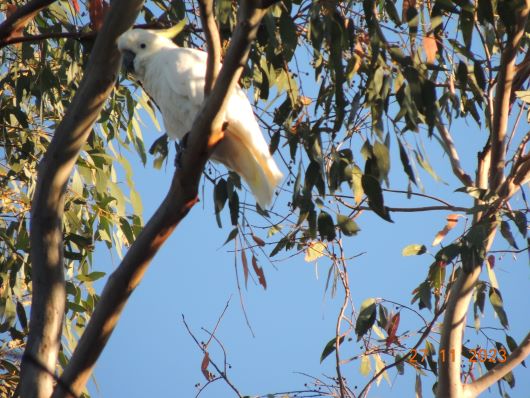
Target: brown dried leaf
{"type": "Point", "coordinates": [204, 366]}
{"type": "Point", "coordinates": [452, 220]}
{"type": "Point", "coordinates": [258, 240]}
{"type": "Point", "coordinates": [430, 48]}
{"type": "Point", "coordinates": [245, 266]}
{"type": "Point", "coordinates": [392, 329]}
{"type": "Point", "coordinates": [259, 272]}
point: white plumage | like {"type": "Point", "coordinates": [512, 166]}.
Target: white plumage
{"type": "Point", "coordinates": [174, 77]}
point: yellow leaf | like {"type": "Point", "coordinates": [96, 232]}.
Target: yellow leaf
{"type": "Point", "coordinates": [366, 365]}
{"type": "Point", "coordinates": [379, 365]}
{"type": "Point", "coordinates": [314, 251]}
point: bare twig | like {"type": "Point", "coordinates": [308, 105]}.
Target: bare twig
{"type": "Point", "coordinates": [203, 349]}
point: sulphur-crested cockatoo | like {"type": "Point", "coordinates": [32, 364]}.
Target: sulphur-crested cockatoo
{"type": "Point", "coordinates": [174, 77]}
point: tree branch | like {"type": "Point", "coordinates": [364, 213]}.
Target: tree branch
{"type": "Point", "coordinates": [48, 299]}
{"type": "Point", "coordinates": [213, 42]}
{"type": "Point", "coordinates": [204, 135]}
{"type": "Point", "coordinates": [499, 371]}
{"type": "Point", "coordinates": [503, 98]}
{"type": "Point", "coordinates": [20, 18]}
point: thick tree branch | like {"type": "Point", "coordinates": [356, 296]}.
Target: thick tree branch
{"type": "Point", "coordinates": [48, 299]}
{"type": "Point", "coordinates": [503, 98]}
{"type": "Point", "coordinates": [500, 370]}
{"type": "Point", "coordinates": [213, 41]}
{"type": "Point", "coordinates": [16, 21]}
{"type": "Point", "coordinates": [204, 135]}
{"type": "Point", "coordinates": [458, 171]}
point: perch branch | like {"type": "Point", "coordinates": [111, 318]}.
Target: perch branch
{"type": "Point", "coordinates": [204, 135]}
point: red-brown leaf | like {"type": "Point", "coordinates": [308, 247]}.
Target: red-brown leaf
{"type": "Point", "coordinates": [392, 329]}
{"type": "Point", "coordinates": [204, 366]}
{"type": "Point", "coordinates": [75, 4]}
{"type": "Point", "coordinates": [258, 240]}
{"type": "Point", "coordinates": [491, 261]}
{"type": "Point", "coordinates": [245, 266]}
{"type": "Point", "coordinates": [259, 272]}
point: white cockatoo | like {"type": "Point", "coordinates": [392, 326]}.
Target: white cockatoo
{"type": "Point", "coordinates": [174, 77]}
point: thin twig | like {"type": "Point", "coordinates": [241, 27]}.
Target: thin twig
{"type": "Point", "coordinates": [203, 349]}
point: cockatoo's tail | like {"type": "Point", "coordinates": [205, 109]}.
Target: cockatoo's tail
{"type": "Point", "coordinates": [174, 78]}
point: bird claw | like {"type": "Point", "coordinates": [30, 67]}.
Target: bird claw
{"type": "Point", "coordinates": [180, 147]}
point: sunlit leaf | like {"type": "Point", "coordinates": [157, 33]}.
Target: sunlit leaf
{"type": "Point", "coordinates": [314, 251]}
{"type": "Point", "coordinates": [414, 250]}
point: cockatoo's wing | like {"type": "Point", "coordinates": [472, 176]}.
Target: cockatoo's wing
{"type": "Point", "coordinates": [175, 79]}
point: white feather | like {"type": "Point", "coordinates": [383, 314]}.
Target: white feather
{"type": "Point", "coordinates": [174, 77]}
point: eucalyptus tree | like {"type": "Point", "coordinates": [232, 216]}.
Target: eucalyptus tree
{"type": "Point", "coordinates": [337, 85]}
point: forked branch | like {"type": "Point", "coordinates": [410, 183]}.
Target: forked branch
{"type": "Point", "coordinates": [204, 135]}
{"type": "Point", "coordinates": [499, 371]}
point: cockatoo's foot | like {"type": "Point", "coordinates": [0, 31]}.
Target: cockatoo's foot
{"type": "Point", "coordinates": [180, 147]}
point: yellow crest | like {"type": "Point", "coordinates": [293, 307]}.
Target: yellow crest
{"type": "Point", "coordinates": [173, 31]}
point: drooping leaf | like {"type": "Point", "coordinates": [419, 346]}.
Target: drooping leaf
{"type": "Point", "coordinates": [366, 365]}
{"type": "Point", "coordinates": [314, 251]}
{"type": "Point", "coordinates": [347, 225]}
{"type": "Point", "coordinates": [326, 227]}
{"type": "Point", "coordinates": [259, 272]}
{"type": "Point", "coordinates": [245, 266]}
{"type": "Point", "coordinates": [507, 234]}
{"type": "Point", "coordinates": [330, 348]}
{"type": "Point", "coordinates": [366, 317]}
{"type": "Point", "coordinates": [373, 190]}
{"type": "Point", "coordinates": [496, 302]}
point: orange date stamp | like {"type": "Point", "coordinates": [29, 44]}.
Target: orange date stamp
{"type": "Point", "coordinates": [481, 355]}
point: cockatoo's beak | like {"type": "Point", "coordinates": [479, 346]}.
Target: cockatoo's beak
{"type": "Point", "coordinates": [128, 60]}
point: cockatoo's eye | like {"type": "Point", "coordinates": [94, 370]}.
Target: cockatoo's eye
{"type": "Point", "coordinates": [142, 45]}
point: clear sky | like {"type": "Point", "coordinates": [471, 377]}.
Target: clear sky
{"type": "Point", "coordinates": [151, 354]}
